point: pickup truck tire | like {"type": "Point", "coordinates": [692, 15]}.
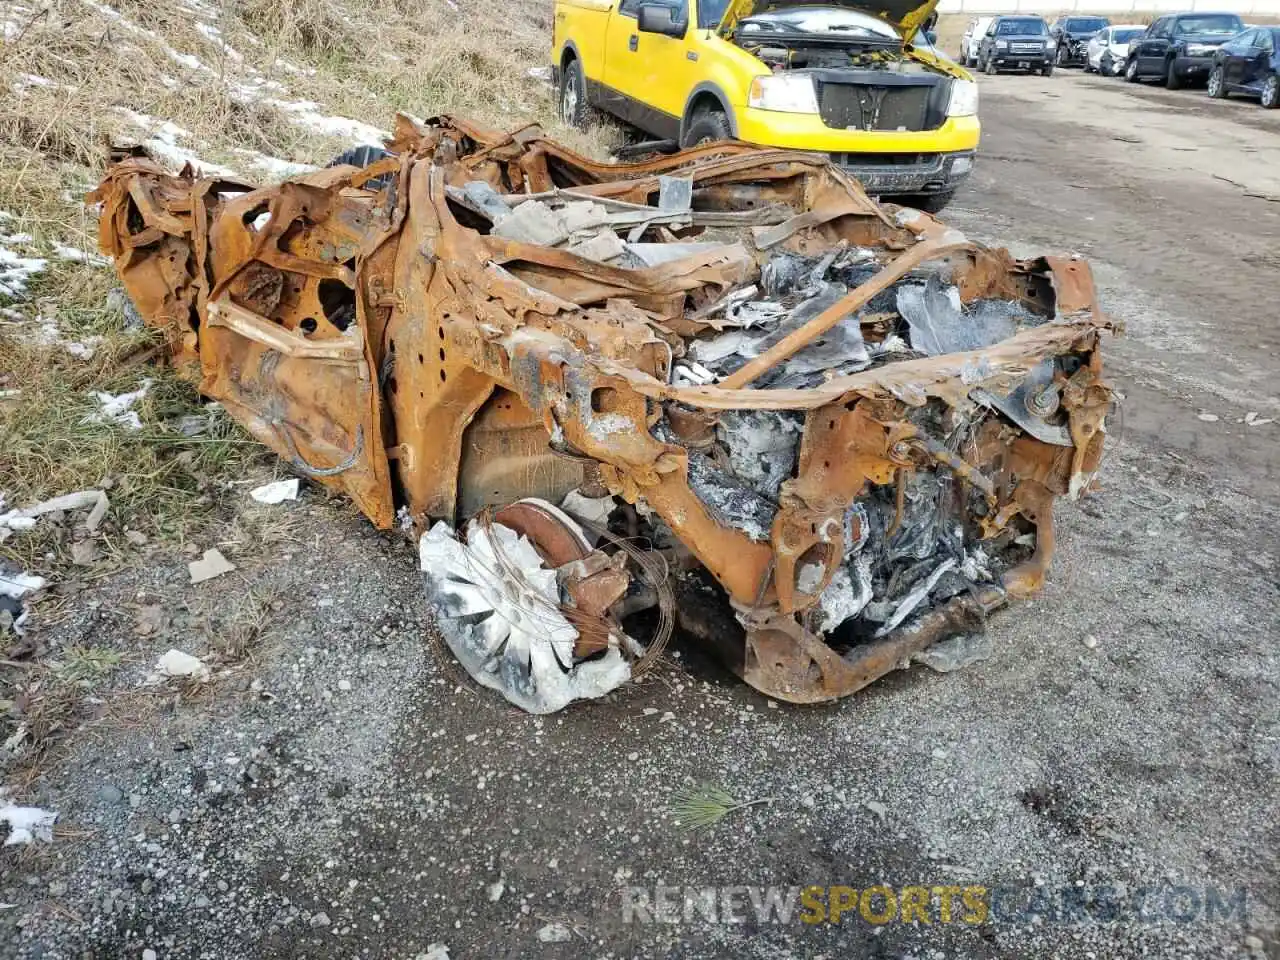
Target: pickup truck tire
{"type": "Point", "coordinates": [571, 98]}
{"type": "Point", "coordinates": [705, 127]}
{"type": "Point", "coordinates": [928, 202]}
{"type": "Point", "coordinates": [1046, 70]}
{"type": "Point", "coordinates": [1171, 79]}
{"type": "Point", "coordinates": [1131, 70]}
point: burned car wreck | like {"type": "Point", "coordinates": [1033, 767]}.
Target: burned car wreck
{"type": "Point", "coordinates": [722, 389]}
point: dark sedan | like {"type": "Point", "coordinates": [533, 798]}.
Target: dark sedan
{"type": "Point", "coordinates": [1071, 36]}
{"type": "Point", "coordinates": [1180, 46]}
{"type": "Point", "coordinates": [1249, 63]}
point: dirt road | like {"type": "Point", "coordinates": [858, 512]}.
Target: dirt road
{"type": "Point", "coordinates": [344, 795]}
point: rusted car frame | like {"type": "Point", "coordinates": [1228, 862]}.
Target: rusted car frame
{"type": "Point", "coordinates": [378, 330]}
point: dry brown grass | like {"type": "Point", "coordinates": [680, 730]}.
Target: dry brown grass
{"type": "Point", "coordinates": [75, 76]}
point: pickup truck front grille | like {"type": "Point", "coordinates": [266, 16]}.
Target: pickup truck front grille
{"type": "Point", "coordinates": [851, 106]}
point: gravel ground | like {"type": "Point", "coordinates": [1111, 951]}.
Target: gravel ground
{"type": "Point", "coordinates": [342, 793]}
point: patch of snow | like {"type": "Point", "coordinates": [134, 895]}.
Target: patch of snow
{"type": "Point", "coordinates": [26, 80]}
{"type": "Point", "coordinates": [288, 67]}
{"type": "Point", "coordinates": [274, 166]}
{"type": "Point", "coordinates": [214, 36]}
{"type": "Point", "coordinates": [306, 113]}
{"type": "Point", "coordinates": [81, 256]}
{"type": "Point", "coordinates": [16, 271]}
{"type": "Point", "coordinates": [27, 824]}
{"type": "Point", "coordinates": [163, 144]}
{"type": "Point", "coordinates": [182, 59]}
{"type": "Point", "coordinates": [47, 334]}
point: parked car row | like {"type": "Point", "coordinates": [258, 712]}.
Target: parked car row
{"type": "Point", "coordinates": [1177, 48]}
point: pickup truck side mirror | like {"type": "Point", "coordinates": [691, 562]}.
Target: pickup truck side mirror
{"type": "Point", "coordinates": [660, 18]}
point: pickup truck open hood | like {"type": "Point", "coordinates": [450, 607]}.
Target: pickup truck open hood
{"type": "Point", "coordinates": [905, 16]}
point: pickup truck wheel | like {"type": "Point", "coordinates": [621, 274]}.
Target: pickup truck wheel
{"type": "Point", "coordinates": [1061, 56]}
{"type": "Point", "coordinates": [1271, 92]}
{"type": "Point", "coordinates": [706, 127]}
{"type": "Point", "coordinates": [990, 67]}
{"type": "Point", "coordinates": [928, 202]}
{"type": "Point", "coordinates": [1046, 70]}
{"type": "Point", "coordinates": [1171, 79]}
{"type": "Point", "coordinates": [1131, 70]}
{"type": "Point", "coordinates": [572, 97]}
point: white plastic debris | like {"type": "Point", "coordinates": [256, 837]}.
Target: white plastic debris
{"type": "Point", "coordinates": [27, 824]}
{"type": "Point", "coordinates": [25, 518]}
{"type": "Point", "coordinates": [276, 492]}
{"type": "Point", "coordinates": [176, 664]}
{"type": "Point", "coordinates": [212, 564]}
{"type": "Point", "coordinates": [119, 407]}
{"type": "Point", "coordinates": [18, 585]}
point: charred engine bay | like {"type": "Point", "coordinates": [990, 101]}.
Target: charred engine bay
{"type": "Point", "coordinates": [911, 543]}
{"type": "Point", "coordinates": [726, 375]}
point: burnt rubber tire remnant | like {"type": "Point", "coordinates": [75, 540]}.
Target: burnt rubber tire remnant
{"type": "Point", "coordinates": [362, 156]}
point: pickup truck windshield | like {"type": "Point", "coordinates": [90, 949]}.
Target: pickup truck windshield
{"type": "Point", "coordinates": [828, 21]}
{"type": "Point", "coordinates": [1124, 36]}
{"type": "Point", "coordinates": [1083, 24]}
{"type": "Point", "coordinates": [1021, 28]}
{"type": "Point", "coordinates": [1219, 23]}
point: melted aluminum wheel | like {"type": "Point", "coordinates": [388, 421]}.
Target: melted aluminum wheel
{"type": "Point", "coordinates": [497, 604]}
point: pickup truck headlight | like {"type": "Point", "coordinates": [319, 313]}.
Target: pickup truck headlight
{"type": "Point", "coordinates": [786, 93]}
{"type": "Point", "coordinates": [1200, 49]}
{"type": "Point", "coordinates": [964, 99]}
{"type": "Point", "coordinates": [1002, 44]}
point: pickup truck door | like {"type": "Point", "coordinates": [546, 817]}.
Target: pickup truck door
{"type": "Point", "coordinates": [650, 74]}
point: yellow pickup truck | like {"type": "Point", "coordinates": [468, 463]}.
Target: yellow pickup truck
{"type": "Point", "coordinates": [858, 81]}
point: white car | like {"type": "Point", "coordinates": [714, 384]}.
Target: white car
{"type": "Point", "coordinates": [971, 39]}
{"type": "Point", "coordinates": [1109, 47]}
